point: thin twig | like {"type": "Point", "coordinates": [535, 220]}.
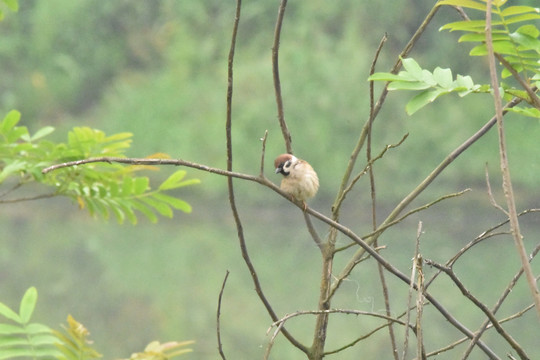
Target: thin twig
{"type": "Point", "coordinates": [497, 305]}
{"type": "Point", "coordinates": [30, 198]}
{"type": "Point", "coordinates": [239, 227]}
{"type": "Point", "coordinates": [462, 340]}
{"type": "Point", "coordinates": [272, 340]}
{"type": "Point", "coordinates": [277, 84]}
{"type": "Point", "coordinates": [350, 265]}
{"type": "Point", "coordinates": [218, 321]}
{"type": "Point", "coordinates": [483, 236]}
{"type": "Point", "coordinates": [337, 226]}
{"type": "Point", "coordinates": [377, 107]}
{"type": "Point", "coordinates": [339, 311]}
{"type": "Point", "coordinates": [391, 218]}
{"type": "Point", "coordinates": [313, 232]}
{"type": "Point", "coordinates": [490, 194]}
{"type": "Point", "coordinates": [503, 156]}
{"type": "Point", "coordinates": [411, 288]}
{"type": "Point", "coordinates": [531, 91]}
{"type": "Point", "coordinates": [367, 168]}
{"type": "Point", "coordinates": [513, 343]}
{"type": "Point", "coordinates": [385, 291]}
{"type": "Point", "coordinates": [420, 351]}
{"type": "Point", "coordinates": [263, 139]}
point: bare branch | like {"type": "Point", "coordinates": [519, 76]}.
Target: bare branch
{"type": "Point", "coordinates": [448, 271]}
{"type": "Point", "coordinates": [263, 181]}
{"type": "Point", "coordinates": [391, 218]}
{"type": "Point", "coordinates": [490, 194]}
{"type": "Point", "coordinates": [313, 232]}
{"type": "Point", "coordinates": [498, 304]}
{"type": "Point", "coordinates": [30, 198]}
{"type": "Point", "coordinates": [239, 227]}
{"type": "Point", "coordinates": [503, 156]}
{"type": "Point", "coordinates": [263, 139]}
{"type": "Point", "coordinates": [277, 84]}
{"type": "Point", "coordinates": [367, 168]}
{"type": "Point", "coordinates": [420, 351]}
{"type": "Point", "coordinates": [218, 327]}
{"type": "Point", "coordinates": [272, 339]}
{"type": "Point", "coordinates": [378, 105]}
{"type": "Point", "coordinates": [411, 288]}
{"type": "Point", "coordinates": [531, 91]}
{"type": "Point", "coordinates": [340, 311]}
{"type": "Point", "coordinates": [359, 254]}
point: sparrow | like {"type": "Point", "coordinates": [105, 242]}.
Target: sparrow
{"type": "Point", "coordinates": [299, 178]}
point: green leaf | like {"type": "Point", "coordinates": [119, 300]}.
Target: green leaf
{"type": "Point", "coordinates": [464, 81]}
{"type": "Point", "coordinates": [422, 99]}
{"type": "Point", "coordinates": [521, 18]}
{"type": "Point", "coordinates": [10, 120]}
{"type": "Point", "coordinates": [10, 314]}
{"type": "Point", "coordinates": [528, 111]}
{"type": "Point", "coordinates": [143, 208]}
{"type": "Point", "coordinates": [381, 76]}
{"type": "Point", "coordinates": [408, 85]}
{"type": "Point", "coordinates": [481, 37]}
{"type": "Point", "coordinates": [175, 181]}
{"type": "Point", "coordinates": [443, 77]}
{"type": "Point", "coordinates": [163, 208]}
{"type": "Point", "coordinates": [413, 68]}
{"type": "Point", "coordinates": [117, 211]}
{"type": "Point", "coordinates": [126, 206]}
{"type": "Point", "coordinates": [140, 185]}
{"type": "Point", "coordinates": [471, 25]}
{"type": "Point", "coordinates": [44, 131]}
{"type": "Point", "coordinates": [174, 202]}
{"type": "Point", "coordinates": [516, 10]}
{"type": "Point", "coordinates": [28, 304]}
{"type": "Point", "coordinates": [127, 186]}
{"type": "Point", "coordinates": [12, 168]}
{"type": "Point", "coordinates": [9, 329]}
{"type": "Point", "coordinates": [13, 5]}
{"type": "Point", "coordinates": [172, 180]}
{"type": "Point", "coordinates": [526, 41]}
{"type": "Point", "coordinates": [35, 328]}
{"type": "Point", "coordinates": [529, 30]}
{"type": "Point", "coordinates": [463, 3]}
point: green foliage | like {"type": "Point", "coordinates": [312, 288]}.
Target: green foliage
{"type": "Point", "coordinates": [157, 351]}
{"type": "Point", "coordinates": [13, 5]}
{"type": "Point", "coordinates": [37, 341]}
{"type": "Point", "coordinates": [74, 343]}
{"type": "Point", "coordinates": [433, 84]}
{"type": "Point", "coordinates": [520, 50]}
{"type": "Point", "coordinates": [102, 188]}
{"type": "Point", "coordinates": [21, 338]}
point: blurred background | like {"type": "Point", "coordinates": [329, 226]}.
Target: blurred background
{"type": "Point", "coordinates": [158, 69]}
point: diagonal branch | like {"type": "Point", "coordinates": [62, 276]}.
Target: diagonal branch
{"type": "Point", "coordinates": [498, 304]}
{"type": "Point", "coordinates": [448, 271]}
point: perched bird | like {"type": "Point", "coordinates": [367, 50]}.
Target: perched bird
{"type": "Point", "coordinates": [299, 178]}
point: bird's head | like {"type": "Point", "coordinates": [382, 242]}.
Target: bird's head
{"type": "Point", "coordinates": [283, 163]}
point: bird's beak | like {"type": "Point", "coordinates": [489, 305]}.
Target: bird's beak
{"type": "Point", "coordinates": [278, 170]}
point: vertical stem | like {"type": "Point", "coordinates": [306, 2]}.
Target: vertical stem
{"type": "Point", "coordinates": [277, 83]}
{"type": "Point", "coordinates": [503, 156]}
{"type": "Point", "coordinates": [319, 338]}
{"type": "Point", "coordinates": [230, 187]}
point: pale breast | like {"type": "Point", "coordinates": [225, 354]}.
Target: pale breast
{"type": "Point", "coordinates": [302, 183]}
